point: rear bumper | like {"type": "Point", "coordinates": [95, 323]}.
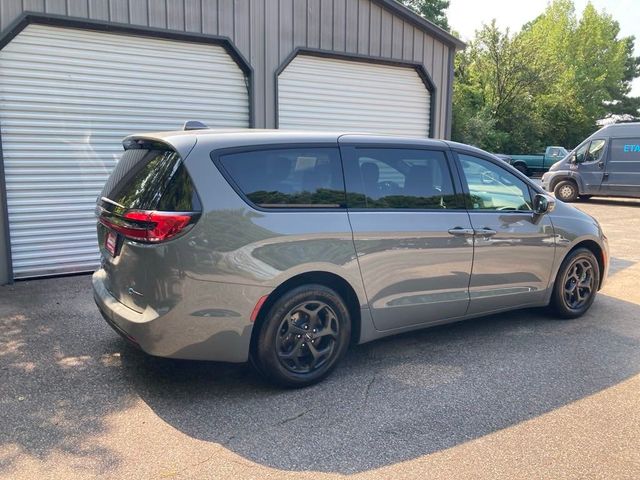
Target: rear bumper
{"type": "Point", "coordinates": [187, 331]}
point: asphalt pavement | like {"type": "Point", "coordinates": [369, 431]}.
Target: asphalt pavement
{"type": "Point", "coordinates": [516, 395]}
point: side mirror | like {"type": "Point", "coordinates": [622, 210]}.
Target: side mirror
{"type": "Point", "coordinates": [543, 203]}
{"type": "Point", "coordinates": [573, 159]}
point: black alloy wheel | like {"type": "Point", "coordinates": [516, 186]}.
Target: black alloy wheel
{"type": "Point", "coordinates": [303, 336]}
{"type": "Point", "coordinates": [307, 336]}
{"type": "Point", "coordinates": [576, 284]}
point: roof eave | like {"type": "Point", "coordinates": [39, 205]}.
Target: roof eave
{"type": "Point", "coordinates": [424, 24]}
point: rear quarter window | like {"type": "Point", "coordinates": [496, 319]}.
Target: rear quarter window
{"type": "Point", "coordinates": [288, 177]}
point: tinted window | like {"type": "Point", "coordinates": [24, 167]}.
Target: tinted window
{"type": "Point", "coordinates": [152, 180]}
{"type": "Point", "coordinates": [292, 177]}
{"type": "Point", "coordinates": [398, 178]}
{"type": "Point", "coordinates": [625, 149]}
{"type": "Point", "coordinates": [492, 187]}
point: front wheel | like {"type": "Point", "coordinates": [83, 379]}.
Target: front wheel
{"type": "Point", "coordinates": [567, 191]}
{"type": "Point", "coordinates": [576, 284]}
{"type": "Point", "coordinates": [305, 334]}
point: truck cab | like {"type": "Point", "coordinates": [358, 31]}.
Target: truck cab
{"type": "Point", "coordinates": [538, 163]}
{"type": "Point", "coordinates": [606, 164]}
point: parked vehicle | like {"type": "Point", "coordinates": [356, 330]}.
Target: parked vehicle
{"type": "Point", "coordinates": [606, 164]}
{"type": "Point", "coordinates": [535, 164]}
{"type": "Point", "coordinates": [283, 248]}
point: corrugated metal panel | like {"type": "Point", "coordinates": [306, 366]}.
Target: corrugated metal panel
{"type": "Point", "coordinates": [68, 97]}
{"type": "Point", "coordinates": [325, 93]}
{"type": "Point", "coordinates": [267, 31]}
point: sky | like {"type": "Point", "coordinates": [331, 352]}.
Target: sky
{"type": "Point", "coordinates": [467, 16]}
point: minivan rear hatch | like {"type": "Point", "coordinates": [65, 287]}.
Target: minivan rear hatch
{"type": "Point", "coordinates": [148, 203]}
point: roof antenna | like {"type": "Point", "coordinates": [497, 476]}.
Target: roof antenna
{"type": "Point", "coordinates": [194, 125]}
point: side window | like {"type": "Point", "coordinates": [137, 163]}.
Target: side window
{"type": "Point", "coordinates": [397, 178]}
{"type": "Point", "coordinates": [581, 153]}
{"type": "Point", "coordinates": [492, 187]}
{"type": "Point", "coordinates": [596, 149]}
{"type": "Point", "coordinates": [288, 177]}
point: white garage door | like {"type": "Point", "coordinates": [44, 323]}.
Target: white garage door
{"type": "Point", "coordinates": [325, 93]}
{"type": "Point", "coordinates": [67, 99]}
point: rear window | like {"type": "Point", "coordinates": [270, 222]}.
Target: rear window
{"type": "Point", "coordinates": [291, 177]}
{"type": "Point", "coordinates": [152, 179]}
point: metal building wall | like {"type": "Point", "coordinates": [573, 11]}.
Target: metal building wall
{"type": "Point", "coordinates": [267, 31]}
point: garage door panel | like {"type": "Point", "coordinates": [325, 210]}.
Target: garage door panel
{"type": "Point", "coordinates": [326, 93]}
{"type": "Point", "coordinates": [69, 97]}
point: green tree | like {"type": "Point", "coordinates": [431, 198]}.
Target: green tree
{"type": "Point", "coordinates": [497, 78]}
{"type": "Point", "coordinates": [546, 84]}
{"type": "Point", "coordinates": [433, 10]}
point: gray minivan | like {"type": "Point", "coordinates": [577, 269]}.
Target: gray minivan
{"type": "Point", "coordinates": [606, 164]}
{"type": "Point", "coordinates": [283, 248]}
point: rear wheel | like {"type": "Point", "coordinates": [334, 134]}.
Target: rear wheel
{"type": "Point", "coordinates": [576, 284]}
{"type": "Point", "coordinates": [567, 191]}
{"type": "Point", "coordinates": [304, 336]}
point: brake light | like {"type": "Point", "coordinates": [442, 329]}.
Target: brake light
{"type": "Point", "coordinates": [149, 226]}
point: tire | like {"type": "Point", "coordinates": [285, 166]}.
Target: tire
{"type": "Point", "coordinates": [522, 168]}
{"type": "Point", "coordinates": [568, 299]}
{"type": "Point", "coordinates": [293, 329]}
{"type": "Point", "coordinates": [567, 191]}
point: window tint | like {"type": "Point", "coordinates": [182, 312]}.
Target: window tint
{"type": "Point", "coordinates": [291, 177]}
{"type": "Point", "coordinates": [152, 180]}
{"type": "Point", "coordinates": [596, 149]}
{"type": "Point", "coordinates": [398, 178]}
{"type": "Point", "coordinates": [492, 187]}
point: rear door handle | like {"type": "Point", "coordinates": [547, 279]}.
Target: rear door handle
{"type": "Point", "coordinates": [485, 232]}
{"type": "Point", "coordinates": [461, 232]}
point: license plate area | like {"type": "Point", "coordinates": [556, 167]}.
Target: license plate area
{"type": "Point", "coordinates": [111, 243]}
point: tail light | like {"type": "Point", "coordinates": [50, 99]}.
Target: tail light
{"type": "Point", "coordinates": [149, 226]}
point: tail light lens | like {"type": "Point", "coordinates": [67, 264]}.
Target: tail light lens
{"type": "Point", "coordinates": [149, 226]}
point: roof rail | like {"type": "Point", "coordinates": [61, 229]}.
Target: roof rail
{"type": "Point", "coordinates": [194, 125]}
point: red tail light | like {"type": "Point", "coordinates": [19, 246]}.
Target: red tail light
{"type": "Point", "coordinates": [149, 226]}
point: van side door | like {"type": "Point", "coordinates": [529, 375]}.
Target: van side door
{"type": "Point", "coordinates": [590, 164]}
{"type": "Point", "coordinates": [622, 170]}
{"type": "Point", "coordinates": [412, 234]}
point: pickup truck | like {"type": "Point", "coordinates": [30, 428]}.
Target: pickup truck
{"type": "Point", "coordinates": [539, 163]}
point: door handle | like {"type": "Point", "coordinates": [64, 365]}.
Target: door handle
{"type": "Point", "coordinates": [485, 232]}
{"type": "Point", "coordinates": [461, 232]}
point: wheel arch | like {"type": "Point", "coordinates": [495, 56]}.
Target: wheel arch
{"type": "Point", "coordinates": [327, 279]}
{"type": "Point", "coordinates": [597, 251]}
